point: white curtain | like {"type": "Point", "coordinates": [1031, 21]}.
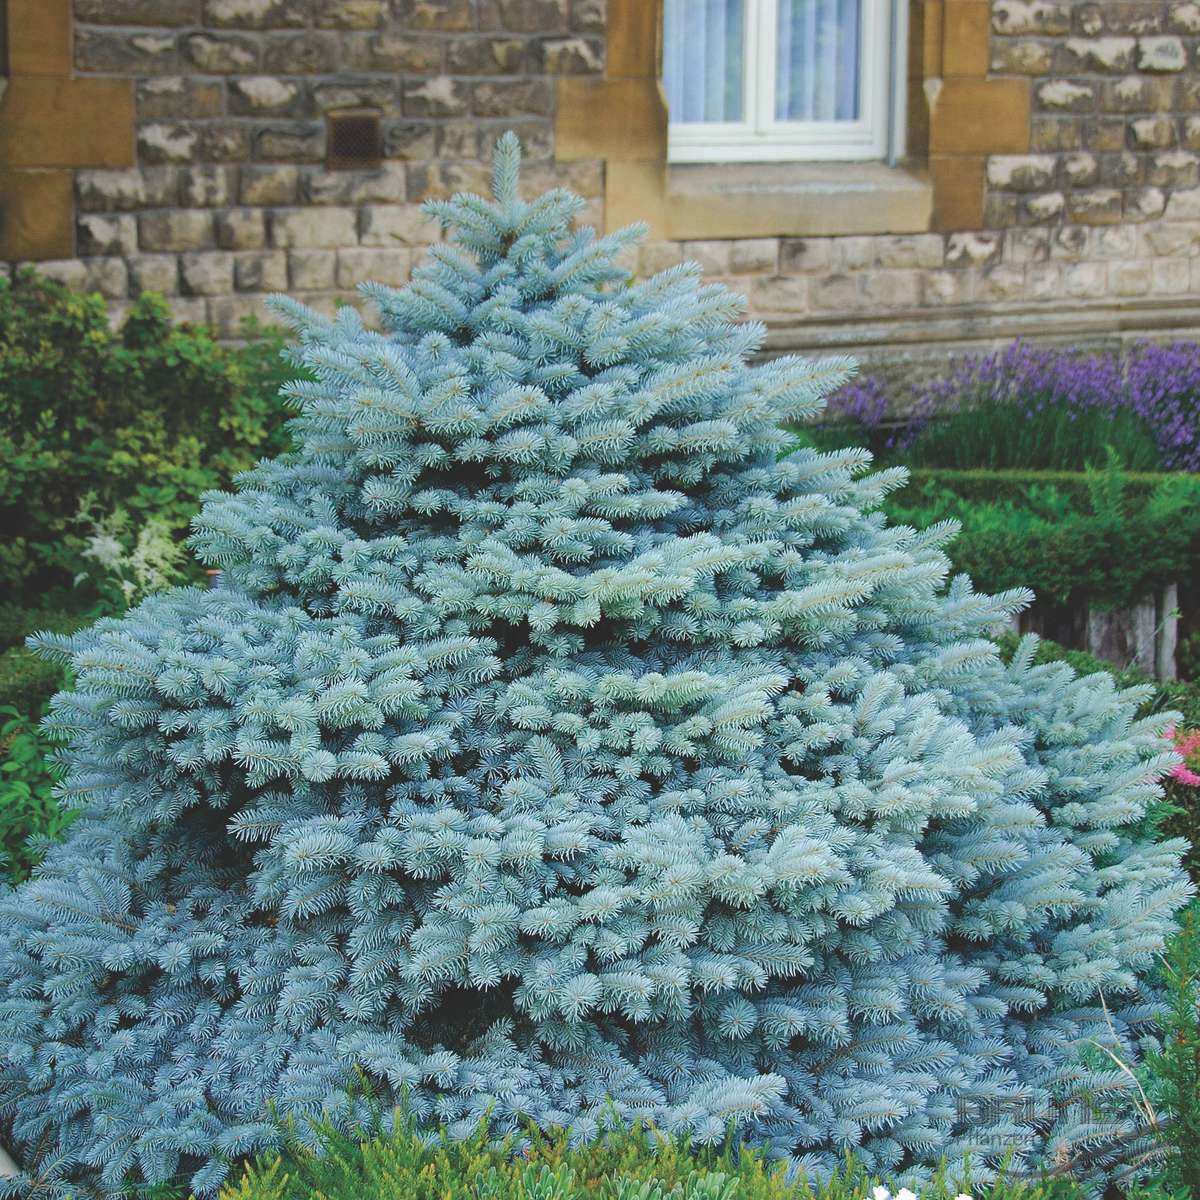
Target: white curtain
{"type": "Point", "coordinates": [817, 63]}
{"type": "Point", "coordinates": [817, 60]}
{"type": "Point", "coordinates": [704, 59]}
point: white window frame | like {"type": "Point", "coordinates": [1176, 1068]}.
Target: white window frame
{"type": "Point", "coordinates": [761, 138]}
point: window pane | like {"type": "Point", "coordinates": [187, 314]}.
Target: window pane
{"type": "Point", "coordinates": [703, 59]}
{"type": "Point", "coordinates": [817, 70]}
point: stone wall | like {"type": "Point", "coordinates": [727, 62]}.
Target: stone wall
{"type": "Point", "coordinates": [1062, 141]}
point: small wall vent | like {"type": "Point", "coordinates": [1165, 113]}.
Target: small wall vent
{"type": "Point", "coordinates": [355, 141]}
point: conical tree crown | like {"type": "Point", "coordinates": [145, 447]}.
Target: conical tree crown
{"type": "Point", "coordinates": [557, 748]}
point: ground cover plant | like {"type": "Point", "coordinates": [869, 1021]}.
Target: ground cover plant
{"type": "Point", "coordinates": [554, 750]}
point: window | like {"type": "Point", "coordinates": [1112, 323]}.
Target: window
{"type": "Point", "coordinates": [773, 80]}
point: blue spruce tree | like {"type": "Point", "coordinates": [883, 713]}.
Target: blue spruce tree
{"type": "Point", "coordinates": [557, 750]}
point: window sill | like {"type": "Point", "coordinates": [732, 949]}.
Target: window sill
{"type": "Point", "coordinates": [744, 200]}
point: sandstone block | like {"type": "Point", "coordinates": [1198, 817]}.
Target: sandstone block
{"type": "Point", "coordinates": [1069, 242]}
{"type": "Point", "coordinates": [70, 272]}
{"type": "Point", "coordinates": [241, 229]}
{"type": "Point", "coordinates": [1170, 276]}
{"type": "Point", "coordinates": [395, 226]}
{"type": "Point", "coordinates": [153, 273]}
{"type": "Point", "coordinates": [260, 271]}
{"type": "Point", "coordinates": [1046, 207]}
{"type": "Point", "coordinates": [1152, 133]}
{"type": "Point", "coordinates": [440, 96]}
{"type": "Point", "coordinates": [178, 96]}
{"type": "Point", "coordinates": [176, 229]}
{"type": "Point", "coordinates": [1184, 18]}
{"type": "Point", "coordinates": [254, 14]}
{"type": "Point", "coordinates": [1114, 241]}
{"type": "Point", "coordinates": [1081, 170]}
{"type": "Point", "coordinates": [1086, 279]}
{"type": "Point", "coordinates": [572, 56]}
{"type": "Point", "coordinates": [524, 16]}
{"type": "Point", "coordinates": [1027, 245]}
{"type": "Point", "coordinates": [120, 53]}
{"type": "Point", "coordinates": [589, 16]}
{"type": "Point", "coordinates": [852, 254]}
{"type": "Point", "coordinates": [393, 52]}
{"type": "Point", "coordinates": [1001, 210]}
{"type": "Point", "coordinates": [1106, 134]}
{"type": "Point", "coordinates": [208, 274]}
{"type": "Point", "coordinates": [1135, 93]}
{"type": "Point", "coordinates": [1030, 16]}
{"type": "Point", "coordinates": [229, 314]}
{"type": "Point", "coordinates": [659, 256]}
{"type": "Point", "coordinates": [972, 249]}
{"type": "Point", "coordinates": [1021, 172]}
{"type": "Point", "coordinates": [162, 143]}
{"type": "Point", "coordinates": [222, 53]}
{"type": "Point", "coordinates": [713, 256]}
{"type": "Point", "coordinates": [805, 254]}
{"type": "Point", "coordinates": [440, 180]}
{"type": "Point", "coordinates": [840, 292]}
{"type": "Point", "coordinates": [225, 143]}
{"type": "Point", "coordinates": [1191, 133]}
{"type": "Point", "coordinates": [754, 256]}
{"type": "Point", "coordinates": [941, 289]}
{"type": "Point", "coordinates": [1174, 168]}
{"type": "Point", "coordinates": [126, 191]}
{"type": "Point", "coordinates": [1184, 205]}
{"type": "Point", "coordinates": [780, 293]}
{"type": "Point", "coordinates": [300, 54]}
{"type": "Point", "coordinates": [391, 267]}
{"type": "Point", "coordinates": [1043, 281]}
{"type": "Point", "coordinates": [346, 92]}
{"type": "Point", "coordinates": [1146, 204]}
{"type": "Point", "coordinates": [1161, 54]}
{"type": "Point", "coordinates": [290, 143]}
{"type": "Point", "coordinates": [205, 187]}
{"type": "Point", "coordinates": [98, 235]}
{"type": "Point", "coordinates": [384, 186]}
{"type": "Point", "coordinates": [1121, 170]}
{"type": "Point", "coordinates": [314, 228]}
{"type": "Point", "coordinates": [312, 270]}
{"type": "Point", "coordinates": [1022, 56]}
{"type": "Point", "coordinates": [351, 14]}
{"type": "Point", "coordinates": [1167, 239]}
{"type": "Point", "coordinates": [999, 283]}
{"type": "Point", "coordinates": [273, 185]}
{"type": "Point", "coordinates": [462, 139]}
{"type": "Point", "coordinates": [108, 276]}
{"type": "Point", "coordinates": [1099, 207]}
{"type": "Point", "coordinates": [1048, 134]}
{"type": "Point", "coordinates": [1107, 54]}
{"type": "Point", "coordinates": [1130, 278]}
{"type": "Point", "coordinates": [891, 289]}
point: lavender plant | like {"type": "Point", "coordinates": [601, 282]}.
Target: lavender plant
{"type": "Point", "coordinates": [556, 751]}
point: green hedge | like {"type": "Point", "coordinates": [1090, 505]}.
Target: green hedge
{"type": "Point", "coordinates": [1101, 537]}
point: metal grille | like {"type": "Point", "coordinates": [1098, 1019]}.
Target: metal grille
{"type": "Point", "coordinates": [355, 140]}
{"type": "Point", "coordinates": [4, 38]}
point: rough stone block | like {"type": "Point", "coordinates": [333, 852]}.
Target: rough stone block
{"type": "Point", "coordinates": [136, 12]}
{"type": "Point", "coordinates": [260, 271]}
{"type": "Point", "coordinates": [1104, 135]}
{"type": "Point", "coordinates": [1000, 283]}
{"type": "Point", "coordinates": [1067, 95]}
{"type": "Point", "coordinates": [1046, 207]}
{"type": "Point", "coordinates": [1170, 276]}
{"type": "Point", "coordinates": [300, 54]}
{"type": "Point", "coordinates": [1184, 205]}
{"type": "Point", "coordinates": [972, 249]}
{"type": "Point", "coordinates": [314, 228]}
{"type": "Point", "coordinates": [1027, 245]}
{"type": "Point", "coordinates": [153, 273]}
{"type": "Point", "coordinates": [440, 96]}
{"type": "Point", "coordinates": [891, 289]}
{"type": "Point", "coordinates": [351, 14]}
{"type": "Point", "coordinates": [241, 229]}
{"type": "Point", "coordinates": [163, 143]}
{"type": "Point", "coordinates": [393, 52]}
{"type": "Point", "coordinates": [1043, 281]}
{"type": "Point", "coordinates": [126, 191]}
{"type": "Point", "coordinates": [97, 235]}
{"type": "Point", "coordinates": [1121, 170]}
{"type": "Point", "coordinates": [754, 256]}
{"type": "Point", "coordinates": [312, 270]}
{"type": "Point", "coordinates": [121, 53]}
{"type": "Point", "coordinates": [391, 267]}
{"type": "Point", "coordinates": [176, 229]}
{"type": "Point", "coordinates": [486, 56]}
{"type": "Point", "coordinates": [409, 140]}
{"type": "Point", "coordinates": [222, 53]}
{"type": "Point", "coordinates": [1172, 239]}
{"type": "Point", "coordinates": [443, 16]}
{"type": "Point", "coordinates": [269, 185]}
{"type": "Point", "coordinates": [589, 16]}
{"type": "Point", "coordinates": [1104, 54]}
{"type": "Point", "coordinates": [108, 276]}
{"type": "Point", "coordinates": [206, 274]}
{"type": "Point", "coordinates": [254, 14]}
{"type": "Point", "coordinates": [1022, 56]}
{"type": "Point", "coordinates": [1190, 136]}
{"type": "Point", "coordinates": [265, 94]}
{"type": "Point", "coordinates": [1174, 168]}
{"type": "Point", "coordinates": [839, 292]}
{"type": "Point", "coordinates": [713, 257]}
{"type": "Point", "coordinates": [387, 185]}
{"type": "Point", "coordinates": [1081, 170]}
{"type": "Point", "coordinates": [395, 226]}
{"type": "Point", "coordinates": [1069, 242]}
{"type": "Point", "coordinates": [347, 92]}
{"type": "Point", "coordinates": [1152, 133]}
{"type": "Point", "coordinates": [440, 180]}
{"type": "Point", "coordinates": [1048, 134]}
{"type": "Point", "coordinates": [290, 143]}
{"type": "Point", "coordinates": [229, 314]}
{"type": "Point", "coordinates": [1161, 54]}
{"type": "Point", "coordinates": [1184, 18]}
{"type": "Point", "coordinates": [1099, 207]}
{"type": "Point", "coordinates": [943, 289]}
{"type": "Point", "coordinates": [225, 143]}
{"type": "Point", "coordinates": [523, 16]}
{"type": "Point", "coordinates": [205, 186]}
{"type": "Point", "coordinates": [572, 56]}
{"type": "Point", "coordinates": [1021, 172]}
{"type": "Point", "coordinates": [1114, 241]}
{"type": "Point", "coordinates": [1086, 279]}
{"type": "Point", "coordinates": [508, 98]}
{"type": "Point", "coordinates": [178, 96]}
{"type": "Point", "coordinates": [1146, 204]}
{"type": "Point", "coordinates": [1135, 93]}
{"type": "Point", "coordinates": [1130, 278]}
{"type": "Point", "coordinates": [805, 254]}
{"type": "Point", "coordinates": [1030, 16]}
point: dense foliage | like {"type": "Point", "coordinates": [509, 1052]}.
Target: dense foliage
{"type": "Point", "coordinates": [622, 1165]}
{"type": "Point", "coordinates": [100, 426]}
{"type": "Point", "coordinates": [557, 751]}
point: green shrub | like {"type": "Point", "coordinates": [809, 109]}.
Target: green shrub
{"type": "Point", "coordinates": [27, 682]}
{"type": "Point", "coordinates": [627, 1165]}
{"type": "Point", "coordinates": [28, 809]}
{"type": "Point", "coordinates": [140, 420]}
{"type": "Point", "coordinates": [1109, 547]}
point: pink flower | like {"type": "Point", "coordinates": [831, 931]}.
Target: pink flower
{"type": "Point", "coordinates": [1187, 745]}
